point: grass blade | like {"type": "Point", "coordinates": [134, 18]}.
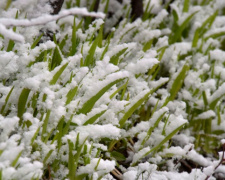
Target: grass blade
{"type": "Point", "coordinates": [22, 102]}
{"type": "Point", "coordinates": [178, 82]}
{"type": "Point", "coordinates": [115, 58]}
{"type": "Point", "coordinates": [58, 74]}
{"type": "Point", "coordinates": [16, 159]}
{"type": "Point", "coordinates": [44, 127]}
{"type": "Point", "coordinates": [91, 102]}
{"type": "Point", "coordinates": [6, 100]}
{"type": "Point", "coordinates": [133, 108]}
{"type": "Point", "coordinates": [56, 59]}
{"type": "Point", "coordinates": [36, 41]}
{"type": "Point", "coordinates": [177, 34]}
{"type": "Point", "coordinates": [70, 95]}
{"type": "Point", "coordinates": [94, 118]}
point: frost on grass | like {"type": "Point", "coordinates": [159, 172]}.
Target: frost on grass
{"type": "Point", "coordinates": [110, 98]}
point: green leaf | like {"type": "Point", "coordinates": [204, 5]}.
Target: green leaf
{"type": "Point", "coordinates": [71, 162]}
{"type": "Point", "coordinates": [45, 124]}
{"type": "Point", "coordinates": [22, 102]}
{"type": "Point", "coordinates": [206, 25]}
{"type": "Point", "coordinates": [34, 136]}
{"type": "Point", "coordinates": [149, 133]}
{"type": "Point", "coordinates": [16, 159]}
{"type": "Point", "coordinates": [118, 156]}
{"type": "Point", "coordinates": [91, 102]}
{"type": "Point", "coordinates": [106, 7]}
{"type": "Point", "coordinates": [58, 74]}
{"type": "Point", "coordinates": [89, 60]}
{"type": "Point", "coordinates": [8, 4]}
{"type": "Point", "coordinates": [11, 42]}
{"type": "Point", "coordinates": [6, 100]}
{"type": "Point", "coordinates": [74, 159]}
{"type": "Point", "coordinates": [94, 118]}
{"type": "Point", "coordinates": [178, 32]}
{"type": "Point", "coordinates": [186, 6]}
{"type": "Point", "coordinates": [63, 43]}
{"type": "Point", "coordinates": [147, 45]}
{"type": "Point", "coordinates": [36, 41]}
{"type": "Point", "coordinates": [56, 59]}
{"type": "Point", "coordinates": [115, 58]}
{"type": "Point", "coordinates": [177, 84]}
{"type": "Point", "coordinates": [196, 37]}
{"type": "Point", "coordinates": [131, 110]}
{"type": "Point", "coordinates": [47, 156]}
{"type": "Point", "coordinates": [119, 89]}
{"type": "Point", "coordinates": [70, 95]}
{"type": "Point", "coordinates": [74, 39]}
{"type": "Point", "coordinates": [167, 138]}
{"type": "Point", "coordinates": [215, 35]}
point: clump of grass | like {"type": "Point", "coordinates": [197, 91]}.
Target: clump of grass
{"type": "Point", "coordinates": [91, 101]}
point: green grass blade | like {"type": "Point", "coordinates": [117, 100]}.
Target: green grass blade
{"type": "Point", "coordinates": [206, 25]}
{"type": "Point", "coordinates": [78, 153]}
{"type": "Point", "coordinates": [146, 13]}
{"type": "Point", "coordinates": [94, 118]}
{"type": "Point", "coordinates": [177, 34]}
{"type": "Point", "coordinates": [60, 132]}
{"type": "Point", "coordinates": [119, 89]}
{"type": "Point", "coordinates": [22, 102]}
{"type": "Point", "coordinates": [74, 38]}
{"type": "Point", "coordinates": [205, 100]}
{"type": "Point", "coordinates": [58, 74]}
{"type": "Point", "coordinates": [147, 45]}
{"type": "Point", "coordinates": [70, 95]}
{"type": "Point", "coordinates": [186, 5]}
{"type": "Point", "coordinates": [106, 7]}
{"type": "Point", "coordinates": [89, 60]}
{"type": "Point", "coordinates": [16, 159]}
{"type": "Point", "coordinates": [56, 59]}
{"type": "Point", "coordinates": [115, 58]}
{"type": "Point", "coordinates": [195, 38]}
{"type": "Point", "coordinates": [91, 102]}
{"type": "Point", "coordinates": [8, 4]}
{"type": "Point", "coordinates": [152, 128]}
{"type": "Point", "coordinates": [177, 84]}
{"type": "Point", "coordinates": [36, 41]}
{"type": "Point", "coordinates": [47, 156]}
{"type": "Point", "coordinates": [45, 124]}
{"type": "Point", "coordinates": [63, 43]}
{"type": "Point", "coordinates": [6, 100]}
{"type": "Point", "coordinates": [71, 162]}
{"type": "Point", "coordinates": [131, 110]}
{"type": "Point", "coordinates": [167, 138]}
{"type": "Point", "coordinates": [215, 35]}
{"type": "Point", "coordinates": [34, 136]}
{"type": "Point", "coordinates": [11, 42]}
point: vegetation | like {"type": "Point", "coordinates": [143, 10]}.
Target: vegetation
{"type": "Point", "coordinates": [120, 97]}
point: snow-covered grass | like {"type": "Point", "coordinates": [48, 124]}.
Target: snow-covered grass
{"type": "Point", "coordinates": [83, 97]}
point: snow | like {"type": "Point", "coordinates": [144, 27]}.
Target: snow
{"type": "Point", "coordinates": [19, 69]}
{"type": "Point", "coordinates": [99, 131]}
{"type": "Point", "coordinates": [8, 33]}
{"type": "Point", "coordinates": [206, 115]}
{"type": "Point", "coordinates": [44, 19]}
{"type": "Point", "coordinates": [103, 166]}
{"type": "Point", "coordinates": [142, 66]}
{"type": "Point", "coordinates": [218, 93]}
{"type": "Point", "coordinates": [140, 154]}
